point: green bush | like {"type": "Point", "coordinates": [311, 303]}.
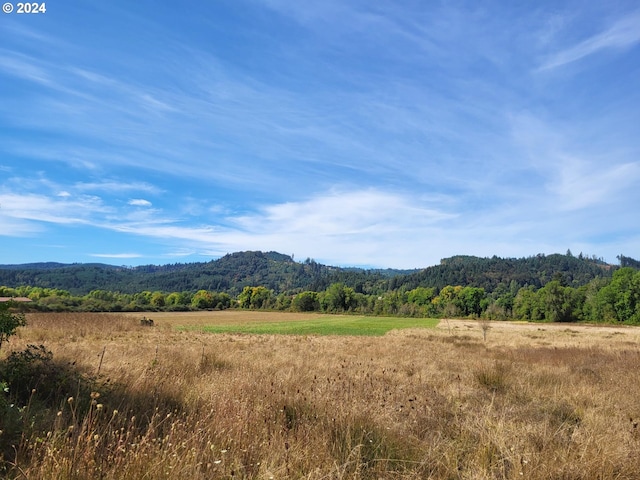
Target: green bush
{"type": "Point", "coordinates": [31, 374]}
{"type": "Point", "coordinates": [9, 322]}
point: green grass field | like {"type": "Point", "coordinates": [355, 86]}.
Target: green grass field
{"type": "Point", "coordinates": [292, 324]}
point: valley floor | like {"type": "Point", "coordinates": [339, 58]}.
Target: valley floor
{"type": "Point", "coordinates": [533, 401]}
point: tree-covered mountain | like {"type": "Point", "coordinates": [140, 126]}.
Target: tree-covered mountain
{"type": "Point", "coordinates": [490, 273]}
{"type": "Point", "coordinates": [281, 273]}
{"type": "Point", "coordinates": [230, 274]}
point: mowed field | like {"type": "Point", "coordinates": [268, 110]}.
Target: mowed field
{"type": "Point", "coordinates": [243, 321]}
{"type": "Point", "coordinates": [431, 400]}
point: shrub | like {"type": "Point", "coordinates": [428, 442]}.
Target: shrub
{"type": "Point", "coordinates": [9, 322]}
{"type": "Point", "coordinates": [31, 375]}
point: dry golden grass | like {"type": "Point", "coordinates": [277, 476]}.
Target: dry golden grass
{"type": "Point", "coordinates": [532, 401]}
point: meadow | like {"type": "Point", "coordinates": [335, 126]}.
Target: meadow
{"type": "Point", "coordinates": [119, 400]}
{"type": "Point", "coordinates": [234, 321]}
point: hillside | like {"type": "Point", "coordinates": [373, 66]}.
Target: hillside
{"type": "Point", "coordinates": [230, 274]}
{"type": "Point", "coordinates": [281, 273]}
{"type": "Point", "coordinates": [490, 273]}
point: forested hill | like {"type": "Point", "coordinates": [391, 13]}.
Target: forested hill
{"type": "Point", "coordinates": [230, 274]}
{"type": "Point", "coordinates": [281, 273]}
{"type": "Point", "coordinates": [490, 273]}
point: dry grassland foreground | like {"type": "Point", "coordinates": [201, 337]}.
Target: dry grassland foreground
{"type": "Point", "coordinates": [123, 401]}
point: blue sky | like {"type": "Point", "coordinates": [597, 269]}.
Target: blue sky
{"type": "Point", "coordinates": [389, 134]}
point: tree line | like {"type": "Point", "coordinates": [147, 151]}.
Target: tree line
{"type": "Point", "coordinates": [280, 273]}
{"type": "Point", "coordinates": [613, 299]}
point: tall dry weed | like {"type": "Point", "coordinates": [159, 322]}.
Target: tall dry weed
{"type": "Point", "coordinates": [414, 404]}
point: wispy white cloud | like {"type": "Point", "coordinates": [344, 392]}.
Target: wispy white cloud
{"type": "Point", "coordinates": [581, 185]}
{"type": "Point", "coordinates": [139, 202]}
{"type": "Point", "coordinates": [24, 67]}
{"type": "Point", "coordinates": [344, 213]}
{"type": "Point", "coordinates": [624, 33]}
{"type": "Point", "coordinates": [566, 172]}
{"type": "Point", "coordinates": [116, 255]}
{"type": "Point", "coordinates": [116, 186]}
{"type": "Point", "coordinates": [49, 209]}
{"type": "Point", "coordinates": [12, 227]}
{"type": "Point", "coordinates": [33, 36]}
